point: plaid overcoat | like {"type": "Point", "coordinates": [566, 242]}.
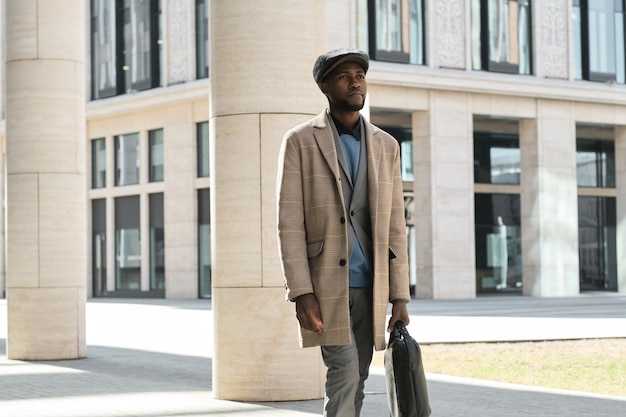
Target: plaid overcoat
{"type": "Point", "coordinates": [312, 231]}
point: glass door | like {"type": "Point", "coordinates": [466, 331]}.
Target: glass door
{"type": "Point", "coordinates": [98, 233]}
{"type": "Point", "coordinates": [596, 243]}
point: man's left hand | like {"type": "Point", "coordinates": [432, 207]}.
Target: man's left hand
{"type": "Point", "coordinates": [399, 312]}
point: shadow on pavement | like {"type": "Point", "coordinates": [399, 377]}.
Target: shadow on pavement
{"type": "Point", "coordinates": [106, 370]}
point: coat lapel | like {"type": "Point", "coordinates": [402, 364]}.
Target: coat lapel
{"type": "Point", "coordinates": [374, 153]}
{"type": "Point", "coordinates": [324, 137]}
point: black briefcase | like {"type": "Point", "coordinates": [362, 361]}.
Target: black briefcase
{"type": "Point", "coordinates": [407, 393]}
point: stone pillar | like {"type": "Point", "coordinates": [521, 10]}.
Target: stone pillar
{"type": "Point", "coordinates": [261, 86]}
{"type": "Point", "coordinates": [46, 186]}
{"type": "Point", "coordinates": [620, 177]}
{"type": "Point", "coordinates": [444, 215]}
{"type": "Point", "coordinates": [549, 201]}
{"type": "Point", "coordinates": [181, 204]}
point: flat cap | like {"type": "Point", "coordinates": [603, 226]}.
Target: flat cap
{"type": "Point", "coordinates": [327, 62]}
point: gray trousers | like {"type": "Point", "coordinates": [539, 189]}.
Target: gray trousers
{"type": "Point", "coordinates": [348, 365]}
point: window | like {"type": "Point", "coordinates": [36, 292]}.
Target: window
{"type": "Point", "coordinates": [599, 40]}
{"type": "Point", "coordinates": [204, 243]}
{"type": "Point", "coordinates": [155, 138]}
{"type": "Point", "coordinates": [157, 243]}
{"type": "Point", "coordinates": [202, 38]}
{"type": "Point", "coordinates": [98, 163]}
{"type": "Point", "coordinates": [496, 158]}
{"type": "Point", "coordinates": [103, 49]}
{"type": "Point", "coordinates": [98, 236]}
{"type": "Point", "coordinates": [501, 36]}
{"type": "Point", "coordinates": [127, 159]}
{"type": "Point", "coordinates": [595, 163]}
{"type": "Point", "coordinates": [202, 138]}
{"type": "Point", "coordinates": [498, 242]}
{"type": "Point", "coordinates": [405, 137]}
{"type": "Point", "coordinates": [392, 30]}
{"type": "Point", "coordinates": [125, 46]}
{"type": "Point", "coordinates": [127, 244]}
{"type": "Point", "coordinates": [597, 250]}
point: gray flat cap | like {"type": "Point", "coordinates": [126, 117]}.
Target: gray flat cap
{"type": "Point", "coordinates": [327, 62]}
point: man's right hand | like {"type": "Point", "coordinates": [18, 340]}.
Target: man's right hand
{"type": "Point", "coordinates": [308, 313]}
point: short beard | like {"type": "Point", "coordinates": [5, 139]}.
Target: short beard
{"type": "Point", "coordinates": [345, 106]}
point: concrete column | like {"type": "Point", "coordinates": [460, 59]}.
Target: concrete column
{"type": "Point", "coordinates": [259, 90]}
{"type": "Point", "coordinates": [180, 204]}
{"type": "Point", "coordinates": [549, 201]}
{"type": "Point", "coordinates": [443, 159]}
{"type": "Point", "coordinates": [620, 177]}
{"type": "Point", "coordinates": [46, 186]}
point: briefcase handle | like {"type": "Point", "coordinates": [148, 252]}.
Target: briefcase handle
{"type": "Point", "coordinates": [399, 332]}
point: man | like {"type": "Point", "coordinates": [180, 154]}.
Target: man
{"type": "Point", "coordinates": [341, 230]}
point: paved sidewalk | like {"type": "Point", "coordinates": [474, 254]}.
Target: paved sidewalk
{"type": "Point", "coordinates": [152, 358]}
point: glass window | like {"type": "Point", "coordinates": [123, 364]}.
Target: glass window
{"type": "Point", "coordinates": [127, 244]}
{"type": "Point", "coordinates": [99, 256]}
{"type": "Point", "coordinates": [155, 138]}
{"type": "Point", "coordinates": [204, 243]}
{"type": "Point", "coordinates": [98, 163]}
{"type": "Point", "coordinates": [597, 252]}
{"type": "Point", "coordinates": [599, 40]}
{"type": "Point", "coordinates": [137, 46]}
{"type": "Point", "coordinates": [127, 159]}
{"type": "Point", "coordinates": [498, 243]}
{"type": "Point", "coordinates": [103, 48]}
{"type": "Point", "coordinates": [202, 137]}
{"type": "Point", "coordinates": [578, 42]}
{"type": "Point", "coordinates": [126, 46]}
{"type": "Point", "coordinates": [202, 38]}
{"type": "Point", "coordinates": [157, 243]}
{"type": "Point", "coordinates": [392, 30]}
{"type": "Point", "coordinates": [405, 137]}
{"type": "Point", "coordinates": [496, 158]}
{"type": "Point", "coordinates": [501, 36]}
{"type": "Point", "coordinates": [595, 163]}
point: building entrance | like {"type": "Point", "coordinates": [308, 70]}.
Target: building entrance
{"type": "Point", "coordinates": [596, 243]}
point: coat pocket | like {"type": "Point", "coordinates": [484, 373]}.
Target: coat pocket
{"type": "Point", "coordinates": [314, 249]}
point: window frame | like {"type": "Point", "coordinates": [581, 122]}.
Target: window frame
{"type": "Point", "coordinates": [98, 154]}
{"type": "Point", "coordinates": [127, 219]}
{"type": "Point", "coordinates": [204, 239]}
{"type": "Point", "coordinates": [157, 241]}
{"type": "Point", "coordinates": [120, 16]}
{"type": "Point", "coordinates": [486, 141]}
{"type": "Point", "coordinates": [395, 56]}
{"type": "Point", "coordinates": [95, 20]}
{"type": "Point", "coordinates": [202, 44]}
{"type": "Point", "coordinates": [203, 161]}
{"type": "Point", "coordinates": [485, 46]}
{"type": "Point", "coordinates": [604, 166]}
{"type": "Point", "coordinates": [119, 165]}
{"type": "Point", "coordinates": [585, 44]}
{"type": "Point", "coordinates": [156, 142]}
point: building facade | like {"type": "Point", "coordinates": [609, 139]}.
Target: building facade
{"type": "Point", "coordinates": [511, 118]}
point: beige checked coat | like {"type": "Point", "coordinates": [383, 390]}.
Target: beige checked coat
{"type": "Point", "coordinates": [312, 231]}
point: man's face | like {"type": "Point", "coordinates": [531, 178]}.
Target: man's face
{"type": "Point", "coordinates": [346, 87]}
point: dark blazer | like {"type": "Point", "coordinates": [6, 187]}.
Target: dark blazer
{"type": "Point", "coordinates": [312, 232]}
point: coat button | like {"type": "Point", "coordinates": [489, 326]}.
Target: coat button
{"type": "Point", "coordinates": [342, 262]}
{"type": "Point", "coordinates": [343, 220]}
{"type": "Point", "coordinates": [352, 213]}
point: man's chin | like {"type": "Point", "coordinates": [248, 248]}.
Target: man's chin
{"type": "Point", "coordinates": [352, 107]}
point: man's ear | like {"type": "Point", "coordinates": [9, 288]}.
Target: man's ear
{"type": "Point", "coordinates": [324, 88]}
